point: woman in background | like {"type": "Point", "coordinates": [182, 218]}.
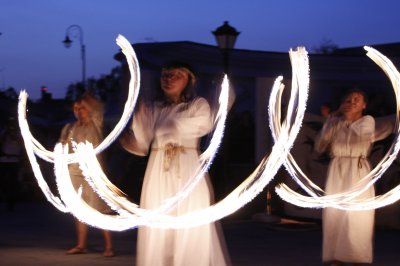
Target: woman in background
{"type": "Point", "coordinates": [89, 114]}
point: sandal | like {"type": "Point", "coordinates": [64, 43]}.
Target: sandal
{"type": "Point", "coordinates": [76, 250]}
{"type": "Point", "coordinates": [108, 253]}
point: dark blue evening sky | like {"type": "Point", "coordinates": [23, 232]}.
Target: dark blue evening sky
{"type": "Point", "coordinates": [32, 53]}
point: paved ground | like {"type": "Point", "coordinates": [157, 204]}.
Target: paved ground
{"type": "Point", "coordinates": [38, 234]}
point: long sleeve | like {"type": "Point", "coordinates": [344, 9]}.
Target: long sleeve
{"type": "Point", "coordinates": [198, 123]}
{"type": "Point", "coordinates": [190, 123]}
{"type": "Point", "coordinates": [324, 138]}
{"type": "Point", "coordinates": [365, 130]}
{"type": "Point", "coordinates": [142, 131]}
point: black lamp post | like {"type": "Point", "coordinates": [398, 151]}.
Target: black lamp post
{"type": "Point", "coordinates": [75, 31]}
{"type": "Point", "coordinates": [226, 37]}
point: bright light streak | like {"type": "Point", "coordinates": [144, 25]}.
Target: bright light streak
{"type": "Point", "coordinates": [134, 86]}
{"type": "Point", "coordinates": [31, 156]}
{"type": "Point", "coordinates": [109, 189]}
{"type": "Point", "coordinates": [253, 185]}
{"type": "Point", "coordinates": [130, 215]}
{"type": "Point", "coordinates": [96, 177]}
{"type": "Point", "coordinates": [34, 147]}
{"type": "Point", "coordinates": [78, 207]}
{"type": "Point", "coordinates": [207, 157]}
{"type": "Point", "coordinates": [347, 199]}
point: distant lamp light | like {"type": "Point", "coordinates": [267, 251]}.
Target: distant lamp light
{"type": "Point", "coordinates": [67, 42]}
{"type": "Point", "coordinates": [226, 36]}
{"type": "Point", "coordinates": [44, 88]}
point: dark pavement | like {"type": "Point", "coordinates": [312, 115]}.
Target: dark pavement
{"type": "Point", "coordinates": [38, 234]}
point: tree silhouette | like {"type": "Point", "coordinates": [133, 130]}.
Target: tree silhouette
{"type": "Point", "coordinates": [327, 46]}
{"type": "Point", "coordinates": [9, 93]}
{"type": "Point", "coordinates": [102, 87]}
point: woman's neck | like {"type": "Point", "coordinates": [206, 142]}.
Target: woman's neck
{"type": "Point", "coordinates": [174, 99]}
{"type": "Point", "coordinates": [83, 122]}
{"type": "Point", "coordinates": [352, 117]}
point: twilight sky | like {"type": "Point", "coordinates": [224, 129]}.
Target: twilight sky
{"type": "Point", "coordinates": [32, 53]}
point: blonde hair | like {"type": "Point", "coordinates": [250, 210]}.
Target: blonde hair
{"type": "Point", "coordinates": [189, 93]}
{"type": "Point", "coordinates": [94, 106]}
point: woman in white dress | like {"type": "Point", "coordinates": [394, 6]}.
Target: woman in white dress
{"type": "Point", "coordinates": [170, 129]}
{"type": "Point", "coordinates": [348, 134]}
{"type": "Point", "coordinates": [89, 114]}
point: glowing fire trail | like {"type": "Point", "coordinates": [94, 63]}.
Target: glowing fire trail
{"type": "Point", "coordinates": [130, 215]}
{"type": "Point", "coordinates": [346, 200]}
{"type": "Point", "coordinates": [31, 156]}
{"type": "Point", "coordinates": [134, 86]}
{"type": "Point", "coordinates": [35, 147]}
{"type": "Point", "coordinates": [253, 185]}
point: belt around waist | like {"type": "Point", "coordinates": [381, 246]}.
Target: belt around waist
{"type": "Point", "coordinates": [354, 157]}
{"type": "Point", "coordinates": [359, 158]}
{"type": "Point", "coordinates": [172, 152]}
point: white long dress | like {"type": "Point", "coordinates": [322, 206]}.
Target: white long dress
{"type": "Point", "coordinates": [172, 133]}
{"type": "Point", "coordinates": [347, 235]}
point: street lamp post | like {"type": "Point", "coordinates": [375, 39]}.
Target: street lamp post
{"type": "Point", "coordinates": [226, 37]}
{"type": "Point", "coordinates": [75, 31]}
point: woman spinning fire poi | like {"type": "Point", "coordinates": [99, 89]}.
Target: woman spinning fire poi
{"type": "Point", "coordinates": [347, 235]}
{"type": "Point", "coordinates": [171, 129]}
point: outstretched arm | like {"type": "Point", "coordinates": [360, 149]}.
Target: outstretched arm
{"type": "Point", "coordinates": [140, 135]}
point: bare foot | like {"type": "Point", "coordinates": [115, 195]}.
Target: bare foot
{"type": "Point", "coordinates": [76, 250]}
{"type": "Point", "coordinates": [108, 253]}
